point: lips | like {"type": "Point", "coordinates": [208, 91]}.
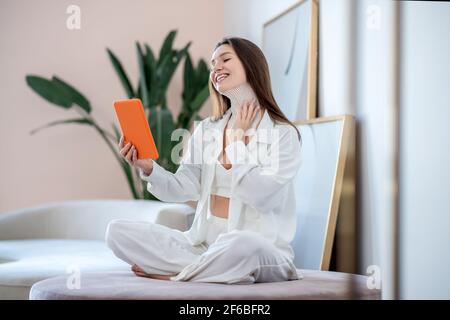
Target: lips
{"type": "Point", "coordinates": [221, 77]}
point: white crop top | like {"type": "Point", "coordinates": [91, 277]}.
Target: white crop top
{"type": "Point", "coordinates": [222, 181]}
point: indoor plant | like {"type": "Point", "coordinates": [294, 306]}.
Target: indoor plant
{"type": "Point", "coordinates": [155, 75]}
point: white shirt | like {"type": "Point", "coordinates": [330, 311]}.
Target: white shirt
{"type": "Point", "coordinates": [262, 191]}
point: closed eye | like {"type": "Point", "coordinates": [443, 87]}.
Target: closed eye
{"type": "Point", "coordinates": [211, 68]}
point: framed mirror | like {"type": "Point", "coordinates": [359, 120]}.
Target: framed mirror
{"type": "Point", "coordinates": [289, 42]}
{"type": "Point", "coordinates": [327, 147]}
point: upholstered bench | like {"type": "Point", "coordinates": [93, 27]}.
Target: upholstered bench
{"type": "Point", "coordinates": [126, 285]}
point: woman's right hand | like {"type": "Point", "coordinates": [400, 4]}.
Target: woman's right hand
{"type": "Point", "coordinates": [129, 153]}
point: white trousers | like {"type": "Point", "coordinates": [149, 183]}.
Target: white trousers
{"type": "Point", "coordinates": [225, 257]}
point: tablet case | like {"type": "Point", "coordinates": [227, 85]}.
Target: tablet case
{"type": "Point", "coordinates": [135, 128]}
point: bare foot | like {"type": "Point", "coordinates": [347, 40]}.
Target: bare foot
{"type": "Point", "coordinates": [141, 273]}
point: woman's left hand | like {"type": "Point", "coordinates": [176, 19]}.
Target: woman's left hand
{"type": "Point", "coordinates": [244, 117]}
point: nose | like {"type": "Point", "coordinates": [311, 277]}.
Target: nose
{"type": "Point", "coordinates": [217, 67]}
{"type": "Point", "coordinates": [214, 72]}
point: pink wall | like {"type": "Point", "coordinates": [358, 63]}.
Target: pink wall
{"type": "Point", "coordinates": [71, 161]}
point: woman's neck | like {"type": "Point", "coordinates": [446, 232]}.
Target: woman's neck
{"type": "Point", "coordinates": [238, 95]}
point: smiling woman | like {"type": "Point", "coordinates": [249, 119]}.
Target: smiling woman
{"type": "Point", "coordinates": [245, 217]}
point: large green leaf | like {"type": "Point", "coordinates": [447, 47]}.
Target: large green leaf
{"type": "Point", "coordinates": [48, 90]}
{"type": "Point", "coordinates": [117, 133]}
{"type": "Point", "coordinates": [195, 106]}
{"type": "Point", "coordinates": [138, 91]}
{"type": "Point", "coordinates": [166, 48]}
{"type": "Point", "coordinates": [142, 76]}
{"type": "Point", "coordinates": [54, 123]}
{"type": "Point", "coordinates": [162, 125]}
{"type": "Point", "coordinates": [129, 175]}
{"type": "Point", "coordinates": [163, 76]}
{"type": "Point", "coordinates": [202, 74]}
{"type": "Point", "coordinates": [200, 99]}
{"type": "Point", "coordinates": [121, 73]}
{"type": "Point", "coordinates": [188, 79]}
{"type": "Point", "coordinates": [168, 66]}
{"type": "Point", "coordinates": [75, 96]}
{"type": "Point", "coordinates": [58, 92]}
{"type": "Point", "coordinates": [164, 65]}
{"type": "Point", "coordinates": [126, 167]}
{"type": "Point", "coordinates": [195, 92]}
{"type": "Point", "coordinates": [150, 66]}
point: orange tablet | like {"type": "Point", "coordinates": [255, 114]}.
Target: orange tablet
{"type": "Point", "coordinates": [135, 127]}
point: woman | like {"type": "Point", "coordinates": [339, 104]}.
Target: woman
{"type": "Point", "coordinates": [239, 167]}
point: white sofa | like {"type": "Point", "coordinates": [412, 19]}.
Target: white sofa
{"type": "Point", "coordinates": [61, 238]}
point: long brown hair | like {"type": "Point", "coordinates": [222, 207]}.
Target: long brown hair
{"type": "Point", "coordinates": [258, 77]}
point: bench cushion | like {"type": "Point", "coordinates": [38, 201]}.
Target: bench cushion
{"type": "Point", "coordinates": [126, 285]}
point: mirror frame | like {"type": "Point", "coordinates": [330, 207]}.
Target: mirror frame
{"type": "Point", "coordinates": [342, 196]}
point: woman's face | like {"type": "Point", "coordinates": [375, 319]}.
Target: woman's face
{"type": "Point", "coordinates": [227, 71]}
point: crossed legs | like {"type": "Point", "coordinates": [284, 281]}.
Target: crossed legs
{"type": "Point", "coordinates": [159, 252]}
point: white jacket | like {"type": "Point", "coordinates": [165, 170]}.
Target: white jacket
{"type": "Point", "coordinates": [262, 191]}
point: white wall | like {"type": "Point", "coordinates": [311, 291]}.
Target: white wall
{"type": "Point", "coordinates": [425, 151]}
